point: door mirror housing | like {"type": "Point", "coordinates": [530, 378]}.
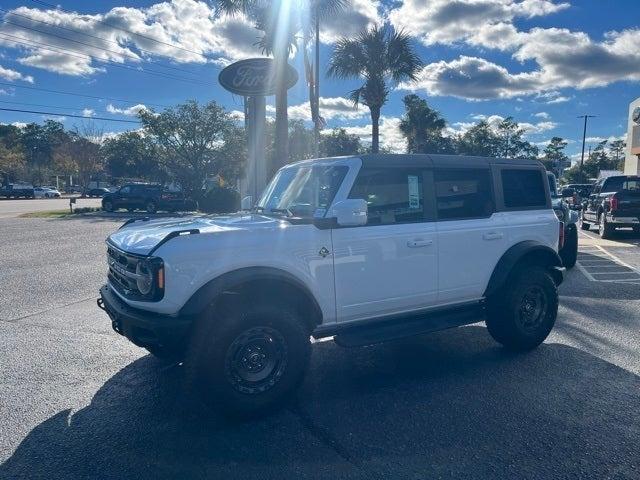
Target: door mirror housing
{"type": "Point", "coordinates": [350, 212]}
{"type": "Point", "coordinates": [246, 203]}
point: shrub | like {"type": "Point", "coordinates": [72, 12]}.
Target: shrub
{"type": "Point", "coordinates": [220, 200]}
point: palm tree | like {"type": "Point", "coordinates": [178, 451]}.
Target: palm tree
{"type": "Point", "coordinates": [280, 21]}
{"type": "Point", "coordinates": [317, 11]}
{"type": "Point", "coordinates": [375, 55]}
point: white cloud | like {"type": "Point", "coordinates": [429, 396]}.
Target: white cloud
{"type": "Point", "coordinates": [338, 108]}
{"type": "Point", "coordinates": [13, 75]}
{"type": "Point", "coordinates": [190, 25]}
{"type": "Point", "coordinates": [358, 15]}
{"type": "Point", "coordinates": [450, 21]}
{"type": "Point", "coordinates": [458, 128]}
{"type": "Point", "coordinates": [543, 115]}
{"type": "Point", "coordinates": [88, 112]}
{"type": "Point", "coordinates": [390, 135]}
{"type": "Point", "coordinates": [130, 111]}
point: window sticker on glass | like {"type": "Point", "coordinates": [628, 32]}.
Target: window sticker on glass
{"type": "Point", "coordinates": [414, 191]}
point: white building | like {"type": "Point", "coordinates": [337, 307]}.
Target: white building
{"type": "Point", "coordinates": [632, 159]}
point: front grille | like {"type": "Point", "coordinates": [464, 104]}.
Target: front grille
{"type": "Point", "coordinates": [121, 264]}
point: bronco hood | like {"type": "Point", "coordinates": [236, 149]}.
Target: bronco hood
{"type": "Point", "coordinates": [142, 236]}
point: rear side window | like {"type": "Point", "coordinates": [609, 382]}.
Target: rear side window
{"type": "Point", "coordinates": [617, 184]}
{"type": "Point", "coordinates": [393, 195]}
{"type": "Point", "coordinates": [463, 193]}
{"type": "Point", "coordinates": [523, 188]}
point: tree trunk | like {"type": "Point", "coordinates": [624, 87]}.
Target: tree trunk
{"type": "Point", "coordinates": [375, 129]}
{"type": "Point", "coordinates": [282, 120]}
{"type": "Point", "coordinates": [316, 124]}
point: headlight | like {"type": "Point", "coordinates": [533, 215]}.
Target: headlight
{"type": "Point", "coordinates": [144, 279]}
{"type": "Point", "coordinates": [559, 214]}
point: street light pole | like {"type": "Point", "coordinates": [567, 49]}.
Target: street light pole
{"type": "Point", "coordinates": [584, 136]}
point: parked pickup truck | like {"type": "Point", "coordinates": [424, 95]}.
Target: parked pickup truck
{"type": "Point", "coordinates": [17, 191]}
{"type": "Point", "coordinates": [614, 202]}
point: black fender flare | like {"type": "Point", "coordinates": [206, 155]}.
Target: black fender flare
{"type": "Point", "coordinates": [205, 295]}
{"type": "Point", "coordinates": [528, 250]}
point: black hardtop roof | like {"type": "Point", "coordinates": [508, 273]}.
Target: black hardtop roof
{"type": "Point", "coordinates": [438, 160]}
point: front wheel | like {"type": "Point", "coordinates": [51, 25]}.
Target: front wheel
{"type": "Point", "coordinates": [522, 315]}
{"type": "Point", "coordinates": [584, 225]}
{"type": "Point", "coordinates": [252, 359]}
{"type": "Point", "coordinates": [107, 206]}
{"type": "Point", "coordinates": [151, 207]}
{"type": "Point", "coordinates": [569, 252]}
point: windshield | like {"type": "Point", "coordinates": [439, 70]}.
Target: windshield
{"type": "Point", "coordinates": [306, 191]}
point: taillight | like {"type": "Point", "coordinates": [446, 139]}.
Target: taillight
{"type": "Point", "coordinates": [561, 236]}
{"type": "Point", "coordinates": [613, 203]}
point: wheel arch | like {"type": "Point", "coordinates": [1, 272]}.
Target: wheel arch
{"type": "Point", "coordinates": [257, 282]}
{"type": "Point", "coordinates": [528, 252]}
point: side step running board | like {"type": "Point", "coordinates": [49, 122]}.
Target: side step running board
{"type": "Point", "coordinates": [392, 329]}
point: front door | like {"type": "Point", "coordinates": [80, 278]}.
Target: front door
{"type": "Point", "coordinates": [388, 266]}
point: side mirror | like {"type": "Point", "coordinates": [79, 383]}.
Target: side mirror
{"type": "Point", "coordinates": [246, 203]}
{"type": "Point", "coordinates": [350, 213]}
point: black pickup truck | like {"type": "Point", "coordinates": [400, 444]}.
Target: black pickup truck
{"type": "Point", "coordinates": [614, 202]}
{"type": "Point", "coordinates": [17, 191]}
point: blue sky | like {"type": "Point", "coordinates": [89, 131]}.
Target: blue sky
{"type": "Point", "coordinates": [544, 62]}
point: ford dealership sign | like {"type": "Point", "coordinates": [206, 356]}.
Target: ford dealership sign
{"type": "Point", "coordinates": [254, 77]}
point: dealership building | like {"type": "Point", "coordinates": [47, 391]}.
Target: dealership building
{"type": "Point", "coordinates": [632, 160]}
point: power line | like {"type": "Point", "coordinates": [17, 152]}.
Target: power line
{"type": "Point", "coordinates": [68, 115]}
{"type": "Point", "coordinates": [72, 53]}
{"type": "Point", "coordinates": [51, 34]}
{"type": "Point", "coordinates": [152, 39]}
{"type": "Point", "coordinates": [26, 104]}
{"type": "Point", "coordinates": [95, 97]}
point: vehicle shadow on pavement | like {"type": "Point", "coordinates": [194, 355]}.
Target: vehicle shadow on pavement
{"type": "Point", "coordinates": [450, 405]}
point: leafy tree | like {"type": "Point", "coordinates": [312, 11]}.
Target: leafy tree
{"type": "Point", "coordinates": [599, 160]}
{"type": "Point", "coordinates": [554, 158]}
{"type": "Point", "coordinates": [479, 140]}
{"type": "Point", "coordinates": [38, 144]}
{"type": "Point", "coordinates": [575, 175]}
{"type": "Point", "coordinates": [301, 141]}
{"type": "Point", "coordinates": [423, 127]}
{"type": "Point", "coordinates": [339, 142]}
{"type": "Point", "coordinates": [196, 141]}
{"type": "Point", "coordinates": [511, 143]}
{"type": "Point", "coordinates": [377, 56]}
{"type": "Point", "coordinates": [617, 152]}
{"type": "Point", "coordinates": [81, 155]}
{"type": "Point", "coordinates": [132, 155]}
{"type": "Point", "coordinates": [12, 163]}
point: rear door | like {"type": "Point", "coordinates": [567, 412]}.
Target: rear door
{"type": "Point", "coordinates": [390, 265]}
{"type": "Point", "coordinates": [593, 203]}
{"type": "Point", "coordinates": [471, 233]}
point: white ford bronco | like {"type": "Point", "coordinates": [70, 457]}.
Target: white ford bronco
{"type": "Point", "coordinates": [363, 249]}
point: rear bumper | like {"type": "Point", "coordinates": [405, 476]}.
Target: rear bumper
{"type": "Point", "coordinates": [623, 220]}
{"type": "Point", "coordinates": [145, 329]}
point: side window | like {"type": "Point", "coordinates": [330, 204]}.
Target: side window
{"type": "Point", "coordinates": [125, 190]}
{"type": "Point", "coordinates": [393, 195]}
{"type": "Point", "coordinates": [523, 188]}
{"type": "Point", "coordinates": [463, 193]}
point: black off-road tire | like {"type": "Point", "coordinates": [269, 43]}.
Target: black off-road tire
{"type": "Point", "coordinates": [224, 349]}
{"type": "Point", "coordinates": [107, 206]}
{"type": "Point", "coordinates": [511, 322]}
{"type": "Point", "coordinates": [569, 252]}
{"type": "Point", "coordinates": [151, 207]}
{"type": "Point", "coordinates": [584, 225]}
{"type": "Point", "coordinates": [636, 230]}
{"type": "Point", "coordinates": [604, 229]}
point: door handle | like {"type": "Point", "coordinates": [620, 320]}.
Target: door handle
{"type": "Point", "coordinates": [419, 243]}
{"type": "Point", "coordinates": [492, 236]}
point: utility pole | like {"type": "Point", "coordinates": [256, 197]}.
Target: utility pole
{"type": "Point", "coordinates": [584, 136]}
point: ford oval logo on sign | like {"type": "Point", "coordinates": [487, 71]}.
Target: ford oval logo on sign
{"type": "Point", "coordinates": [254, 77]}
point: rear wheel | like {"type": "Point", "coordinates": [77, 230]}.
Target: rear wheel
{"type": "Point", "coordinates": [523, 313]}
{"type": "Point", "coordinates": [151, 207]}
{"type": "Point", "coordinates": [107, 205]}
{"type": "Point", "coordinates": [251, 360]}
{"type": "Point", "coordinates": [584, 225]}
{"type": "Point", "coordinates": [605, 230]}
{"type": "Point", "coordinates": [569, 252]}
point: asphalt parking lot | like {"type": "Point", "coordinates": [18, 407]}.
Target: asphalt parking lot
{"type": "Point", "coordinates": [78, 401]}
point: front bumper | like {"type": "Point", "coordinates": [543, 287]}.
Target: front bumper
{"type": "Point", "coordinates": [143, 328]}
